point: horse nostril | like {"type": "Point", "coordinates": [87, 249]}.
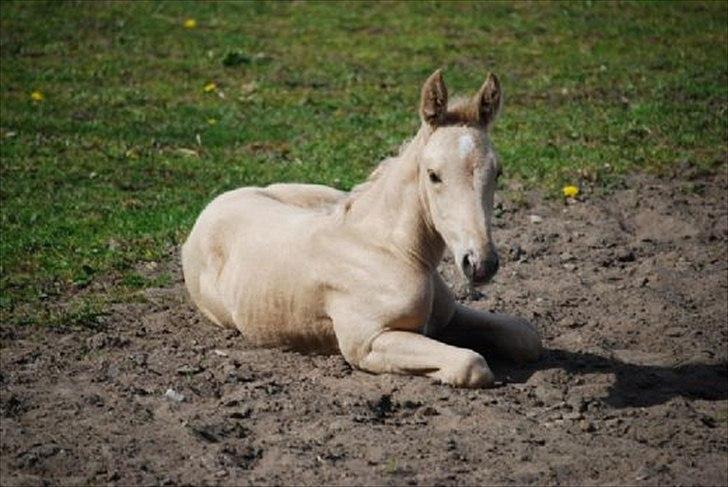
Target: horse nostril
{"type": "Point", "coordinates": [491, 266]}
{"type": "Point", "coordinates": [467, 265]}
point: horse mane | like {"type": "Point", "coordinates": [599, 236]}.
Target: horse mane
{"type": "Point", "coordinates": [376, 173]}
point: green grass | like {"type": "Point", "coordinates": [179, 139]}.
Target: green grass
{"type": "Point", "coordinates": [112, 167]}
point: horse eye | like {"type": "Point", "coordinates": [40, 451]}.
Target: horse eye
{"type": "Point", "coordinates": [434, 177]}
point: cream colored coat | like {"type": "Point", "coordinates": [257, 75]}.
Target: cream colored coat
{"type": "Point", "coordinates": [312, 268]}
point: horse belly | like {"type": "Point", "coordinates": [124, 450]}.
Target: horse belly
{"type": "Point", "coordinates": [270, 313]}
{"type": "Point", "coordinates": [277, 298]}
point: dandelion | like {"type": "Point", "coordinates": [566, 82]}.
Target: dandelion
{"type": "Point", "coordinates": [211, 121]}
{"type": "Point", "coordinates": [190, 24]}
{"type": "Point", "coordinates": [570, 191]}
{"type": "Point", "coordinates": [37, 96]}
{"type": "Point", "coordinates": [209, 87]}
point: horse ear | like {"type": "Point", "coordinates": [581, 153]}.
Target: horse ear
{"type": "Point", "coordinates": [433, 101]}
{"type": "Point", "coordinates": [488, 100]}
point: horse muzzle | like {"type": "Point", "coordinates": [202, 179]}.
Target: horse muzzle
{"type": "Point", "coordinates": [479, 271]}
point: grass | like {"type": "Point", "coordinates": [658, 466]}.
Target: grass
{"type": "Point", "coordinates": [111, 168]}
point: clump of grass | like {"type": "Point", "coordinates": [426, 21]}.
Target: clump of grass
{"type": "Point", "coordinates": [235, 58]}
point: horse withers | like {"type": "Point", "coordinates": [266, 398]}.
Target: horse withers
{"type": "Point", "coordinates": [312, 268]}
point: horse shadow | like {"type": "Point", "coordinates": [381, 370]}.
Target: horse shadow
{"type": "Point", "coordinates": [635, 385]}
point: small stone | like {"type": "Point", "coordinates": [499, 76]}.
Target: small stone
{"type": "Point", "coordinates": [674, 331]}
{"type": "Point", "coordinates": [220, 353]}
{"type": "Point", "coordinates": [535, 219]}
{"type": "Point", "coordinates": [566, 257]}
{"type": "Point", "coordinates": [173, 395]}
{"type": "Point", "coordinates": [570, 267]}
{"type": "Point", "coordinates": [189, 370]}
{"type": "Point", "coordinates": [586, 426]}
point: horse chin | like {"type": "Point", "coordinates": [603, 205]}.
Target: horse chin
{"type": "Point", "coordinates": [475, 278]}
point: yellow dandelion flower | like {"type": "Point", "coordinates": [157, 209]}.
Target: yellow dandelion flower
{"type": "Point", "coordinates": [37, 96]}
{"type": "Point", "coordinates": [190, 24]}
{"type": "Point", "coordinates": [209, 87]}
{"type": "Point", "coordinates": [570, 191]}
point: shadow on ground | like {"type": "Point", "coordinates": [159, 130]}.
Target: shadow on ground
{"type": "Point", "coordinates": [635, 385]}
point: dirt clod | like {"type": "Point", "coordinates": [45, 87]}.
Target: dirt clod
{"type": "Point", "coordinates": [173, 395]}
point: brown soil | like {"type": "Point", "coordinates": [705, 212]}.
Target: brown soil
{"type": "Point", "coordinates": [628, 289]}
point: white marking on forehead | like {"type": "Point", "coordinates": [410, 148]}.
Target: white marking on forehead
{"type": "Point", "coordinates": [466, 145]}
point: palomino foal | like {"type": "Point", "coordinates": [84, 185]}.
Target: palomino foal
{"type": "Point", "coordinates": [309, 267]}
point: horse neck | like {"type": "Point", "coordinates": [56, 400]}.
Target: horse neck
{"type": "Point", "coordinates": [393, 210]}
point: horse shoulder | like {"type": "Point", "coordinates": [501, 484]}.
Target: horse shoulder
{"type": "Point", "coordinates": [400, 300]}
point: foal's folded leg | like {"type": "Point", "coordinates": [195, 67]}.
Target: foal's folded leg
{"type": "Point", "coordinates": [510, 336]}
{"type": "Point", "coordinates": [405, 352]}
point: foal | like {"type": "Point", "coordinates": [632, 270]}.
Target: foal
{"type": "Point", "coordinates": [312, 268]}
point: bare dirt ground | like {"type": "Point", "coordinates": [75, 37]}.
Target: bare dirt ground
{"type": "Point", "coordinates": [628, 289]}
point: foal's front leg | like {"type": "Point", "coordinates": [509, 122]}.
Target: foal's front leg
{"type": "Point", "coordinates": [404, 352]}
{"type": "Point", "coordinates": [367, 346]}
